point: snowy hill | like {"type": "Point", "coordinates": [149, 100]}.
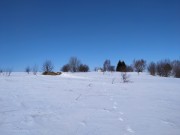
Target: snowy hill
{"type": "Point", "coordinates": [89, 104]}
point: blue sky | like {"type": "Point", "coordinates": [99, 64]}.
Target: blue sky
{"type": "Point", "coordinates": [92, 30]}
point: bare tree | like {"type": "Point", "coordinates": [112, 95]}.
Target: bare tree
{"type": "Point", "coordinates": [113, 80]}
{"type": "Point", "coordinates": [1, 71]}
{"type": "Point", "coordinates": [47, 66]}
{"type": "Point", "coordinates": [176, 68]}
{"type": "Point", "coordinates": [74, 64]}
{"type": "Point", "coordinates": [28, 69]}
{"type": "Point", "coordinates": [152, 68]}
{"type": "Point", "coordinates": [139, 65]}
{"type": "Point", "coordinates": [164, 68]}
{"type": "Point", "coordinates": [125, 77]}
{"type": "Point", "coordinates": [35, 69]}
{"type": "Point", "coordinates": [8, 71]}
{"type": "Point", "coordinates": [106, 65]}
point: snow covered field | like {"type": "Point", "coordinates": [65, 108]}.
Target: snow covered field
{"type": "Point", "coordinates": [89, 104]}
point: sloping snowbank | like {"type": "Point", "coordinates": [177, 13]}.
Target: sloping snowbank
{"type": "Point", "coordinates": [89, 104]}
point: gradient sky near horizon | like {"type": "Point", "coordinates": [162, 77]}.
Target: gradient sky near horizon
{"type": "Point", "coordinates": [32, 31]}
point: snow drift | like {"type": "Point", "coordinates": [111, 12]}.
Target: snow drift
{"type": "Point", "coordinates": [89, 104]}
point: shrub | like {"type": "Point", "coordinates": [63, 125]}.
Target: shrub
{"type": "Point", "coordinates": [164, 68]}
{"type": "Point", "coordinates": [74, 64]}
{"type": "Point", "coordinates": [8, 71]}
{"type": "Point", "coordinates": [65, 68]}
{"type": "Point", "coordinates": [152, 68]}
{"type": "Point", "coordinates": [1, 71]}
{"type": "Point", "coordinates": [51, 73]}
{"type": "Point", "coordinates": [125, 77]}
{"type": "Point", "coordinates": [106, 65]}
{"type": "Point", "coordinates": [47, 66]}
{"type": "Point", "coordinates": [83, 68]}
{"type": "Point", "coordinates": [176, 68]}
{"type": "Point", "coordinates": [139, 65]}
{"type": "Point", "coordinates": [35, 69]}
{"type": "Point", "coordinates": [27, 69]}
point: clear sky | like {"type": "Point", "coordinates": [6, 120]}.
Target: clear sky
{"type": "Point", "coordinates": [32, 31]}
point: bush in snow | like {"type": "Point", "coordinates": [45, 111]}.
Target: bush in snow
{"type": "Point", "coordinates": [74, 64]}
{"type": "Point", "coordinates": [1, 71]}
{"type": "Point", "coordinates": [164, 68]}
{"type": "Point", "coordinates": [83, 68]}
{"type": "Point", "coordinates": [28, 69]}
{"type": "Point", "coordinates": [113, 80]}
{"type": "Point", "coordinates": [47, 66]}
{"type": "Point", "coordinates": [106, 65]}
{"type": "Point", "coordinates": [8, 71]}
{"type": "Point", "coordinates": [125, 77]}
{"type": "Point", "coordinates": [35, 69]}
{"type": "Point", "coordinates": [139, 65]}
{"type": "Point", "coordinates": [176, 68]}
{"type": "Point", "coordinates": [152, 68]}
{"type": "Point", "coordinates": [51, 73]}
{"type": "Point", "coordinates": [65, 68]}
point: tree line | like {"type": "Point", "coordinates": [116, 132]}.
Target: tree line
{"type": "Point", "coordinates": [73, 65]}
{"type": "Point", "coordinates": [138, 66]}
{"type": "Point", "coordinates": [164, 68]}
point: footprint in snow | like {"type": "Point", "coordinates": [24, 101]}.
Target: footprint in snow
{"type": "Point", "coordinates": [107, 110]}
{"type": "Point", "coordinates": [121, 113]}
{"type": "Point", "coordinates": [83, 123]}
{"type": "Point", "coordinates": [115, 105]}
{"type": "Point", "coordinates": [120, 119]}
{"type": "Point", "coordinates": [168, 122]}
{"type": "Point", "coordinates": [129, 129]}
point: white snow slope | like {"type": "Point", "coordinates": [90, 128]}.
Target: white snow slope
{"type": "Point", "coordinates": [89, 104]}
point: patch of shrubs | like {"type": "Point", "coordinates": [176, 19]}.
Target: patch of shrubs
{"type": "Point", "coordinates": [74, 65]}
{"type": "Point", "coordinates": [65, 68]}
{"type": "Point", "coordinates": [176, 68]}
{"type": "Point", "coordinates": [51, 73]}
{"type": "Point", "coordinates": [83, 68]}
{"type": "Point", "coordinates": [139, 65]}
{"type": "Point", "coordinates": [165, 68]}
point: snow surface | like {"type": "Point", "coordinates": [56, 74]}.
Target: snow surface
{"type": "Point", "coordinates": [89, 104]}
